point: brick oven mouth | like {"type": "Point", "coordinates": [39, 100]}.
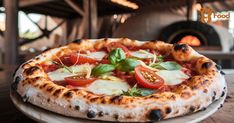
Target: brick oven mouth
{"type": "Point", "coordinates": [199, 35]}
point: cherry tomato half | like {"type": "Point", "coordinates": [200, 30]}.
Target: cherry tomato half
{"type": "Point", "coordinates": [80, 59]}
{"type": "Point", "coordinates": [148, 78]}
{"type": "Point", "coordinates": [78, 80]}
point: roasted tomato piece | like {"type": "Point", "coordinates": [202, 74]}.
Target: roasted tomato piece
{"type": "Point", "coordinates": [148, 78]}
{"type": "Point", "coordinates": [49, 68]}
{"type": "Point", "coordinates": [78, 80]}
{"type": "Point", "coordinates": [80, 59]}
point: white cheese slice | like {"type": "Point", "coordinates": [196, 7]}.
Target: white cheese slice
{"type": "Point", "coordinates": [61, 73]}
{"type": "Point", "coordinates": [108, 87]}
{"type": "Point", "coordinates": [172, 77]}
{"type": "Point", "coordinates": [96, 55]}
{"type": "Point", "coordinates": [142, 54]}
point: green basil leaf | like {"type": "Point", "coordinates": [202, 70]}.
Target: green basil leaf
{"type": "Point", "coordinates": [160, 58]}
{"type": "Point", "coordinates": [169, 65]}
{"type": "Point", "coordinates": [116, 56]}
{"type": "Point", "coordinates": [146, 92]}
{"type": "Point", "coordinates": [134, 91]}
{"type": "Point", "coordinates": [102, 69]}
{"type": "Point", "coordinates": [127, 65]}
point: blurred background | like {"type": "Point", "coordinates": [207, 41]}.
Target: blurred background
{"type": "Point", "coordinates": [28, 27]}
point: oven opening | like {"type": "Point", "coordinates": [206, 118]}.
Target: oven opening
{"type": "Point", "coordinates": [190, 40]}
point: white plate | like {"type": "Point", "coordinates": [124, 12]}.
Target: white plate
{"type": "Point", "coordinates": [42, 115]}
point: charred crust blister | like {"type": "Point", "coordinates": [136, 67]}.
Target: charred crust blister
{"type": "Point", "coordinates": [77, 41]}
{"type": "Point", "coordinates": [29, 71]}
{"type": "Point", "coordinates": [14, 85]}
{"type": "Point", "coordinates": [223, 93]}
{"type": "Point", "coordinates": [77, 107]}
{"type": "Point", "coordinates": [101, 114]}
{"type": "Point", "coordinates": [116, 99]}
{"type": "Point", "coordinates": [155, 115]}
{"type": "Point", "coordinates": [116, 116]}
{"type": "Point", "coordinates": [206, 65]}
{"type": "Point", "coordinates": [168, 110]}
{"type": "Point", "coordinates": [218, 67]}
{"type": "Point", "coordinates": [91, 114]}
{"type": "Point", "coordinates": [182, 47]}
{"type": "Point", "coordinates": [221, 105]}
{"type": "Point", "coordinates": [192, 108]}
{"type": "Point", "coordinates": [57, 92]}
{"type": "Point", "coordinates": [68, 94]}
{"type": "Point", "coordinates": [222, 72]}
{"type": "Point", "coordinates": [213, 97]}
{"type": "Point", "coordinates": [25, 98]}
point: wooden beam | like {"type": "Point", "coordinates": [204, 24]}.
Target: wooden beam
{"type": "Point", "coordinates": [75, 7]}
{"type": "Point", "coordinates": [91, 6]}
{"type": "Point", "coordinates": [26, 3]}
{"type": "Point", "coordinates": [11, 32]}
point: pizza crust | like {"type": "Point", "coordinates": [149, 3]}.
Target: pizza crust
{"type": "Point", "coordinates": [34, 86]}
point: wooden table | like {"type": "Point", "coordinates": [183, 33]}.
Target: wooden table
{"type": "Point", "coordinates": [8, 113]}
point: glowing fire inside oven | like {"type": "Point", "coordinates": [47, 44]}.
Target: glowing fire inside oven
{"type": "Point", "coordinates": [190, 40]}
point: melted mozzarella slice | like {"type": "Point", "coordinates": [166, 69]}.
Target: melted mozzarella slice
{"type": "Point", "coordinates": [108, 87]}
{"type": "Point", "coordinates": [96, 55]}
{"type": "Point", "coordinates": [142, 54]}
{"type": "Point", "coordinates": [60, 74]}
{"type": "Point", "coordinates": [172, 77]}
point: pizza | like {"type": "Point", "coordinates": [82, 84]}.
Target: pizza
{"type": "Point", "coordinates": [120, 80]}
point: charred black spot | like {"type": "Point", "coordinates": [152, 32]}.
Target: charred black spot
{"type": "Point", "coordinates": [182, 47]}
{"type": "Point", "coordinates": [218, 67]}
{"type": "Point", "coordinates": [203, 109]}
{"type": "Point", "coordinates": [37, 58]}
{"type": "Point", "coordinates": [103, 101]}
{"type": "Point", "coordinates": [105, 39]}
{"type": "Point", "coordinates": [94, 99]}
{"type": "Point", "coordinates": [192, 108]}
{"type": "Point", "coordinates": [168, 110]}
{"type": "Point", "coordinates": [77, 107]}
{"type": "Point", "coordinates": [223, 93]}
{"type": "Point", "coordinates": [68, 94]}
{"type": "Point", "coordinates": [214, 93]}
{"type": "Point", "coordinates": [221, 105]}
{"type": "Point", "coordinates": [206, 65]}
{"type": "Point", "coordinates": [57, 92]}
{"type": "Point", "coordinates": [25, 98]}
{"type": "Point", "coordinates": [77, 41]}
{"type": "Point", "coordinates": [30, 70]}
{"type": "Point", "coordinates": [116, 99]}
{"type": "Point", "coordinates": [100, 114]}
{"type": "Point", "coordinates": [155, 115]}
{"type": "Point", "coordinates": [222, 72]}
{"type": "Point", "coordinates": [50, 89]}
{"type": "Point", "coordinates": [14, 85]}
{"type": "Point", "coordinates": [213, 98]}
{"type": "Point", "coordinates": [91, 114]}
{"type": "Point", "coordinates": [43, 86]}
{"type": "Point", "coordinates": [116, 116]}
{"type": "Point", "coordinates": [48, 100]}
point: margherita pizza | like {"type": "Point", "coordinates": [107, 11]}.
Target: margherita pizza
{"type": "Point", "coordinates": [120, 80]}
